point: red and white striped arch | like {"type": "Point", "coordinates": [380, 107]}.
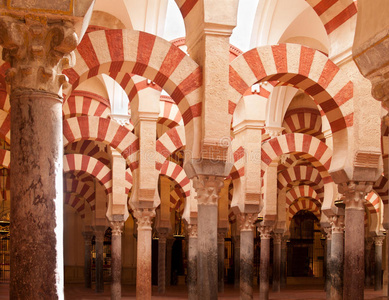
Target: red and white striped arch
{"type": "Point", "coordinates": [374, 200]}
{"type": "Point", "coordinates": [372, 205]}
{"type": "Point", "coordinates": [143, 54]}
{"type": "Point", "coordinates": [169, 142]}
{"type": "Point", "coordinates": [303, 204]}
{"type": "Point", "coordinates": [129, 181]}
{"type": "Point", "coordinates": [84, 103]}
{"type": "Point", "coordinates": [89, 148]}
{"type": "Point", "coordinates": [315, 151]}
{"type": "Point", "coordinates": [5, 158]}
{"type": "Point", "coordinates": [177, 173]}
{"type": "Point", "coordinates": [176, 201]}
{"type": "Point", "coordinates": [102, 130]}
{"type": "Point", "coordinates": [5, 126]}
{"type": "Point", "coordinates": [303, 120]}
{"type": "Point", "coordinates": [77, 202]}
{"type": "Point", "coordinates": [381, 187]}
{"type": "Point", "coordinates": [302, 191]}
{"type": "Point", "coordinates": [81, 188]}
{"type": "Point", "coordinates": [90, 165]}
{"type": "Point", "coordinates": [334, 13]}
{"type": "Point", "coordinates": [170, 115]}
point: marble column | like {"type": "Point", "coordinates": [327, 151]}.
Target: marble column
{"type": "Point", "coordinates": [246, 255]}
{"type": "Point", "coordinates": [99, 243]}
{"type": "Point", "coordinates": [277, 262]}
{"type": "Point", "coordinates": [116, 262]}
{"type": "Point", "coordinates": [335, 265]}
{"type": "Point", "coordinates": [264, 262]}
{"type": "Point", "coordinates": [327, 284]}
{"type": "Point", "coordinates": [87, 258]}
{"type": "Point", "coordinates": [378, 242]}
{"type": "Point", "coordinates": [207, 189]}
{"type": "Point", "coordinates": [162, 236]}
{"type": "Point", "coordinates": [144, 217]}
{"type": "Point", "coordinates": [169, 249]}
{"type": "Point", "coordinates": [236, 240]}
{"type": "Point", "coordinates": [368, 278]}
{"type": "Point", "coordinates": [283, 267]}
{"type": "Point", "coordinates": [354, 239]}
{"type": "Point", "coordinates": [35, 47]}
{"type": "Point", "coordinates": [192, 262]}
{"type": "Point", "coordinates": [221, 233]}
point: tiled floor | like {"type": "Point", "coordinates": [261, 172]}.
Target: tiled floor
{"type": "Point", "coordinates": [78, 292]}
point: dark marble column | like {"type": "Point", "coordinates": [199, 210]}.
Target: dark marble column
{"type": "Point", "coordinates": [378, 242]}
{"type": "Point", "coordinates": [99, 243]}
{"type": "Point", "coordinates": [236, 240]}
{"type": "Point", "coordinates": [144, 217]}
{"type": "Point", "coordinates": [192, 262]}
{"type": "Point", "coordinates": [221, 233]}
{"type": "Point", "coordinates": [116, 262]}
{"type": "Point", "coordinates": [354, 239]}
{"type": "Point", "coordinates": [169, 249]}
{"type": "Point", "coordinates": [87, 258]}
{"type": "Point", "coordinates": [162, 234]}
{"type": "Point", "coordinates": [283, 267]}
{"type": "Point", "coordinates": [207, 189]}
{"type": "Point", "coordinates": [264, 262]}
{"type": "Point", "coordinates": [277, 262]}
{"type": "Point", "coordinates": [246, 255]}
{"type": "Point", "coordinates": [335, 265]}
{"type": "Point", "coordinates": [327, 284]}
{"type": "Point", "coordinates": [368, 278]}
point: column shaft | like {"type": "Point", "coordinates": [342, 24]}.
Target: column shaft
{"type": "Point", "coordinates": [99, 243]}
{"type": "Point", "coordinates": [264, 269]}
{"type": "Point", "coordinates": [87, 260]}
{"type": "Point", "coordinates": [237, 261]}
{"type": "Point", "coordinates": [277, 263]}
{"type": "Point", "coordinates": [161, 265]}
{"type": "Point", "coordinates": [246, 264]}
{"type": "Point", "coordinates": [283, 268]}
{"type": "Point", "coordinates": [116, 263]}
{"type": "Point", "coordinates": [368, 279]}
{"type": "Point", "coordinates": [328, 261]}
{"type": "Point", "coordinates": [220, 258]}
{"type": "Point", "coordinates": [378, 242]}
{"type": "Point", "coordinates": [192, 262]}
{"type": "Point", "coordinates": [336, 262]}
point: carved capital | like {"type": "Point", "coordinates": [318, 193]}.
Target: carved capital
{"type": "Point", "coordinates": [117, 227]}
{"type": "Point", "coordinates": [355, 193]}
{"type": "Point", "coordinates": [368, 243]}
{"type": "Point", "coordinates": [87, 237]}
{"type": "Point", "coordinates": [337, 224]}
{"type": "Point", "coordinates": [192, 230]}
{"type": "Point", "coordinates": [328, 232]}
{"type": "Point", "coordinates": [99, 236]}
{"type": "Point", "coordinates": [277, 238]}
{"type": "Point", "coordinates": [38, 49]}
{"type": "Point", "coordinates": [284, 243]}
{"type": "Point", "coordinates": [163, 233]}
{"type": "Point", "coordinates": [221, 234]}
{"type": "Point", "coordinates": [144, 217]}
{"type": "Point", "coordinates": [379, 240]}
{"type": "Point", "coordinates": [208, 189]}
{"type": "Point", "coordinates": [246, 221]}
{"type": "Point", "coordinates": [265, 231]}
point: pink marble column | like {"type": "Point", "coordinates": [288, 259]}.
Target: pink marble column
{"type": "Point", "coordinates": [327, 284]}
{"type": "Point", "coordinates": [162, 236]}
{"type": "Point", "coordinates": [116, 262]}
{"type": "Point", "coordinates": [354, 193]}
{"type": "Point", "coordinates": [246, 222]}
{"type": "Point", "coordinates": [277, 262]}
{"type": "Point", "coordinates": [378, 242]}
{"type": "Point", "coordinates": [284, 254]}
{"type": "Point", "coordinates": [144, 218]}
{"type": "Point", "coordinates": [335, 265]}
{"type": "Point", "coordinates": [87, 258]}
{"type": "Point", "coordinates": [266, 233]}
{"type": "Point", "coordinates": [368, 278]}
{"type": "Point", "coordinates": [192, 262]}
{"type": "Point", "coordinates": [236, 240]}
{"type": "Point", "coordinates": [221, 233]}
{"type": "Point", "coordinates": [99, 248]}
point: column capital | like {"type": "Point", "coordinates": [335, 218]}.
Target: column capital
{"type": "Point", "coordinates": [87, 237]}
{"type": "Point", "coordinates": [265, 231]}
{"type": "Point", "coordinates": [117, 227]}
{"type": "Point", "coordinates": [368, 243]}
{"type": "Point", "coordinates": [246, 221]}
{"type": "Point", "coordinates": [284, 242]}
{"type": "Point", "coordinates": [208, 189]}
{"type": "Point", "coordinates": [328, 232]}
{"type": "Point", "coordinates": [38, 49]}
{"type": "Point", "coordinates": [337, 224]}
{"type": "Point", "coordinates": [99, 235]}
{"type": "Point", "coordinates": [192, 230]}
{"type": "Point", "coordinates": [277, 238]}
{"type": "Point", "coordinates": [144, 217]}
{"type": "Point", "coordinates": [163, 233]}
{"type": "Point", "coordinates": [221, 234]}
{"type": "Point", "coordinates": [379, 240]}
{"type": "Point", "coordinates": [355, 193]}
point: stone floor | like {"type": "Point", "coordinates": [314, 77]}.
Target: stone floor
{"type": "Point", "coordinates": [76, 291]}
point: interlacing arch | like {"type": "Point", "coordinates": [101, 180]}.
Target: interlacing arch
{"type": "Point", "coordinates": [315, 151]}
{"type": "Point", "coordinates": [302, 191]}
{"type": "Point", "coordinates": [143, 54]}
{"type": "Point", "coordinates": [372, 205]}
{"type": "Point", "coordinates": [168, 143]}
{"type": "Point", "coordinates": [170, 115]}
{"type": "Point", "coordinates": [177, 173]}
{"type": "Point", "coordinates": [103, 130]}
{"type": "Point", "coordinates": [84, 103]}
{"type": "Point", "coordinates": [77, 202]}
{"type": "Point", "coordinates": [90, 165]}
{"type": "Point", "coordinates": [303, 120]}
{"type": "Point", "coordinates": [81, 188]}
{"type": "Point", "coordinates": [303, 204]}
{"type": "Point", "coordinates": [128, 181]}
{"type": "Point", "coordinates": [306, 69]}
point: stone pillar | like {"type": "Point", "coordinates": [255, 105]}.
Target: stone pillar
{"type": "Point", "coordinates": [277, 262]}
{"type": "Point", "coordinates": [144, 218]}
{"type": "Point", "coordinates": [99, 243]}
{"type": "Point", "coordinates": [116, 262]}
{"type": "Point", "coordinates": [162, 234]}
{"type": "Point", "coordinates": [283, 267]}
{"type": "Point", "coordinates": [246, 255]}
{"type": "Point", "coordinates": [192, 262]}
{"type": "Point", "coordinates": [264, 262]}
{"type": "Point", "coordinates": [378, 242]}
{"type": "Point", "coordinates": [335, 265]}
{"type": "Point", "coordinates": [354, 239]}
{"type": "Point", "coordinates": [169, 249]}
{"type": "Point", "coordinates": [236, 240]}
{"type": "Point", "coordinates": [368, 277]}
{"type": "Point", "coordinates": [87, 258]}
{"type": "Point", "coordinates": [35, 47]}
{"type": "Point", "coordinates": [207, 189]}
{"type": "Point", "coordinates": [327, 284]}
{"type": "Point", "coordinates": [221, 233]}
